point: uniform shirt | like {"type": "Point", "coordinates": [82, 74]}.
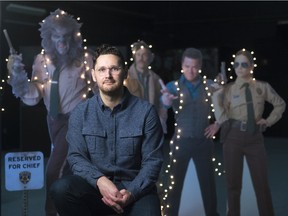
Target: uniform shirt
{"type": "Point", "coordinates": [123, 144]}
{"type": "Point", "coordinates": [73, 83]}
{"type": "Point", "coordinates": [145, 86]}
{"type": "Point", "coordinates": [230, 102]}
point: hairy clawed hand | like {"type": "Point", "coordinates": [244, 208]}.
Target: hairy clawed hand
{"type": "Point", "coordinates": [15, 65]}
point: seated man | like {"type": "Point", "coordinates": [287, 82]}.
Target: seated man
{"type": "Point", "coordinates": [115, 149]}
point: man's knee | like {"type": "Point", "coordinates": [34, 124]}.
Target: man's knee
{"type": "Point", "coordinates": [58, 189]}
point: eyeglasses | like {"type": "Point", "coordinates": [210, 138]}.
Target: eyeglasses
{"type": "Point", "coordinates": [113, 70]}
{"type": "Point", "coordinates": [243, 65]}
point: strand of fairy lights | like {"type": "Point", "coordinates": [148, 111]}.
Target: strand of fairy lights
{"type": "Point", "coordinates": [85, 62]}
{"type": "Point", "coordinates": [1, 93]}
{"type": "Point", "coordinates": [175, 146]}
{"type": "Point", "coordinates": [83, 75]}
{"type": "Point", "coordinates": [134, 52]}
{"type": "Point", "coordinates": [178, 132]}
{"type": "Point", "coordinates": [232, 63]}
{"type": "Point", "coordinates": [48, 62]}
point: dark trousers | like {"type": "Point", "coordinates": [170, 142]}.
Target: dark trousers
{"type": "Point", "coordinates": [237, 145]}
{"type": "Point", "coordinates": [73, 196]}
{"type": "Point", "coordinates": [56, 165]}
{"type": "Point", "coordinates": [200, 150]}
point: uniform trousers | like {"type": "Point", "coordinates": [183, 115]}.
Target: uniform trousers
{"type": "Point", "coordinates": [74, 196]}
{"type": "Point", "coordinates": [237, 145]}
{"type": "Point", "coordinates": [201, 151]}
{"type": "Point", "coordinates": [56, 165]}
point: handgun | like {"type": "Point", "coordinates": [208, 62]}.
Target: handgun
{"type": "Point", "coordinates": [223, 73]}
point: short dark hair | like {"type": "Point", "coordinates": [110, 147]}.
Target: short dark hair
{"type": "Point", "coordinates": [106, 49]}
{"type": "Point", "coordinates": [192, 53]}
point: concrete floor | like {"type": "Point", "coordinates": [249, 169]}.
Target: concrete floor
{"type": "Point", "coordinates": [277, 149]}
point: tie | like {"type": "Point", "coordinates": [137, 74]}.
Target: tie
{"type": "Point", "coordinates": [144, 80]}
{"type": "Point", "coordinates": [251, 126]}
{"type": "Point", "coordinates": [54, 93]}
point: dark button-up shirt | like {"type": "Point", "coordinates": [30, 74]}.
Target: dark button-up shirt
{"type": "Point", "coordinates": [124, 144]}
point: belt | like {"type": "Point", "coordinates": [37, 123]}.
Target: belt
{"type": "Point", "coordinates": [242, 125]}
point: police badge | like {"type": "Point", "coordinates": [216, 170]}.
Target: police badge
{"type": "Point", "coordinates": [259, 91]}
{"type": "Point", "coordinates": [25, 177]}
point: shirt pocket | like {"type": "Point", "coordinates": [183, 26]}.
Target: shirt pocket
{"type": "Point", "coordinates": [259, 100]}
{"type": "Point", "coordinates": [95, 140]}
{"type": "Point", "coordinates": [130, 142]}
{"type": "Point", "coordinates": [237, 105]}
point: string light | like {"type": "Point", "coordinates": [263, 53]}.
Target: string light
{"type": "Point", "coordinates": [232, 63]}
{"type": "Point", "coordinates": [85, 61]}
{"type": "Point", "coordinates": [134, 49]}
{"type": "Point", "coordinates": [174, 146]}
{"type": "Point", "coordinates": [47, 62]}
{"type": "Point", "coordinates": [1, 93]}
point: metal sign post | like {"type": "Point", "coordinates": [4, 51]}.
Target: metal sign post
{"type": "Point", "coordinates": [24, 171]}
{"type": "Point", "coordinates": [25, 203]}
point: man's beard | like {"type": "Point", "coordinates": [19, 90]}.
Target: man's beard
{"type": "Point", "coordinates": [111, 89]}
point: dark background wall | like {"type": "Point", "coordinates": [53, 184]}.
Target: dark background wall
{"type": "Point", "coordinates": [219, 29]}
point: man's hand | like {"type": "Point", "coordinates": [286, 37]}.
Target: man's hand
{"type": "Point", "coordinates": [127, 198]}
{"type": "Point", "coordinates": [211, 130]}
{"type": "Point", "coordinates": [111, 195]}
{"type": "Point", "coordinates": [167, 98]}
{"type": "Point", "coordinates": [216, 87]}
